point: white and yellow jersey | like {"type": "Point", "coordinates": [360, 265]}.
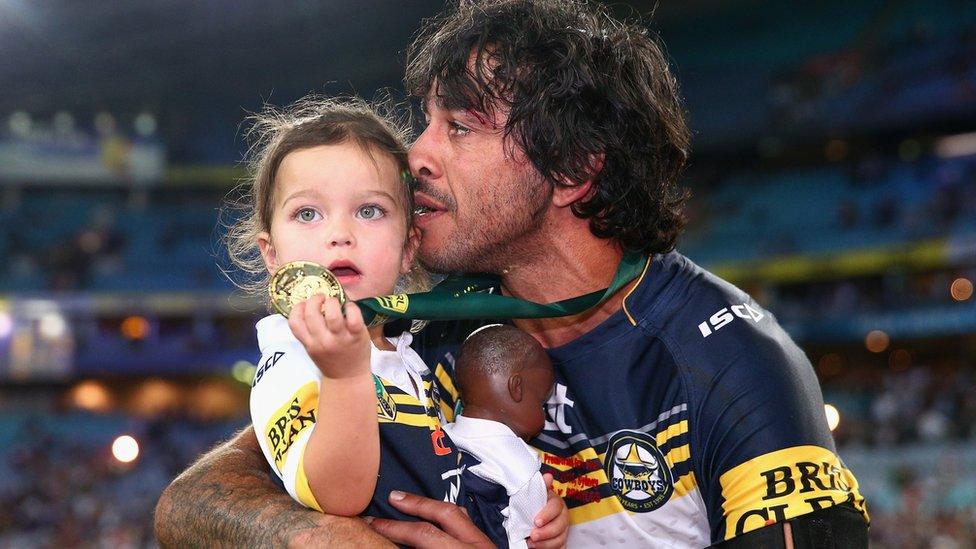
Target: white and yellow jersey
{"type": "Point", "coordinates": [415, 454]}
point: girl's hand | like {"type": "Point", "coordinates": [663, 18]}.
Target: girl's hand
{"type": "Point", "coordinates": [339, 345]}
{"type": "Point", "coordinates": [552, 522]}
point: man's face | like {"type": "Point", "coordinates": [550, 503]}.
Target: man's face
{"type": "Point", "coordinates": [478, 194]}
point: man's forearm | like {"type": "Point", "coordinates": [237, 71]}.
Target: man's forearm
{"type": "Point", "coordinates": [227, 499]}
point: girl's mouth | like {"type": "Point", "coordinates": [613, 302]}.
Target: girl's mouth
{"type": "Point", "coordinates": [345, 271]}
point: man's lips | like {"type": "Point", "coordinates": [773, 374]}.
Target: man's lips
{"type": "Point", "coordinates": [426, 208]}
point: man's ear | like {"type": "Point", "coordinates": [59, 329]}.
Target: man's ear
{"type": "Point", "coordinates": [515, 387]}
{"type": "Point", "coordinates": [268, 251]}
{"type": "Point", "coordinates": [570, 192]}
{"type": "Point", "coordinates": [410, 250]}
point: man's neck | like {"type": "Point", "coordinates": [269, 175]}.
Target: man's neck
{"type": "Point", "coordinates": [568, 268]}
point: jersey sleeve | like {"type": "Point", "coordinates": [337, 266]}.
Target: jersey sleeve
{"type": "Point", "coordinates": [284, 398]}
{"type": "Point", "coordinates": [523, 506]}
{"type": "Point", "coordinates": [763, 451]}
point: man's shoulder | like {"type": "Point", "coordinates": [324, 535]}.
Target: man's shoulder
{"type": "Point", "coordinates": [702, 318]}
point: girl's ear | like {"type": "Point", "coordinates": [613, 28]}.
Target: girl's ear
{"type": "Point", "coordinates": [268, 251]}
{"type": "Point", "coordinates": [410, 250]}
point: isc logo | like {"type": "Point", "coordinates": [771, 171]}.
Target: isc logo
{"type": "Point", "coordinates": [724, 316]}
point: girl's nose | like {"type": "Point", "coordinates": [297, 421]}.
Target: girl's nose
{"type": "Point", "coordinates": [341, 241]}
{"type": "Point", "coordinates": [340, 236]}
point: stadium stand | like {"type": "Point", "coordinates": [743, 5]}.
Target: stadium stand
{"type": "Point", "coordinates": [819, 186]}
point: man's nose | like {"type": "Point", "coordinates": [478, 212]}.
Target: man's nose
{"type": "Point", "coordinates": [423, 159]}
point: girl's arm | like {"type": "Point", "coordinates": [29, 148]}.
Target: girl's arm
{"type": "Point", "coordinates": [340, 462]}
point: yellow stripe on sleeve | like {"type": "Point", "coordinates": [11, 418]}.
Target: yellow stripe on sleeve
{"type": "Point", "coordinates": [302, 489]}
{"type": "Point", "coordinates": [785, 484]}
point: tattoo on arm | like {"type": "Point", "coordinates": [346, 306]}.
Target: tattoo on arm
{"type": "Point", "coordinates": [227, 499]}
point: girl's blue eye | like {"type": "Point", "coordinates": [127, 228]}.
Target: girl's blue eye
{"type": "Point", "coordinates": [307, 215]}
{"type": "Point", "coordinates": [370, 211]}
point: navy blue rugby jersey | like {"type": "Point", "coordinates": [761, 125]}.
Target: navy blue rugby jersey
{"type": "Point", "coordinates": [686, 418]}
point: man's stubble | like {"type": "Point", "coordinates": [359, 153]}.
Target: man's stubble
{"type": "Point", "coordinates": [496, 234]}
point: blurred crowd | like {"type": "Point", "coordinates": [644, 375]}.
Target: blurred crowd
{"type": "Point", "coordinates": [909, 434]}
{"type": "Point", "coordinates": [944, 192]}
{"type": "Point", "coordinates": [903, 404]}
{"type": "Point", "coordinates": [58, 491]}
{"type": "Point", "coordinates": [873, 82]}
{"type": "Point", "coordinates": [930, 507]}
{"type": "Point", "coordinates": [895, 290]}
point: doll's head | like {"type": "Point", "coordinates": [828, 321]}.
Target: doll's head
{"type": "Point", "coordinates": [505, 375]}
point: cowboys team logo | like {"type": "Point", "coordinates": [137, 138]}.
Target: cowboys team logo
{"type": "Point", "coordinates": [637, 472]}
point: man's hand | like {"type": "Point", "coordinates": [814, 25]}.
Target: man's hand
{"type": "Point", "coordinates": [552, 522]}
{"type": "Point", "coordinates": [456, 529]}
{"type": "Point", "coordinates": [339, 345]}
{"type": "Point", "coordinates": [227, 499]}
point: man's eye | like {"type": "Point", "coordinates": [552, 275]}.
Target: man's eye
{"type": "Point", "coordinates": [371, 212]}
{"type": "Point", "coordinates": [307, 214]}
{"type": "Point", "coordinates": [458, 129]}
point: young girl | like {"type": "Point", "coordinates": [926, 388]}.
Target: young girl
{"type": "Point", "coordinates": [330, 397]}
{"type": "Point", "coordinates": [343, 414]}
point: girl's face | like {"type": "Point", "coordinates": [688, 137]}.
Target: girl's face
{"type": "Point", "coordinates": [337, 206]}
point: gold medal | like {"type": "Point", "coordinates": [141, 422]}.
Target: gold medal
{"type": "Point", "coordinates": [299, 280]}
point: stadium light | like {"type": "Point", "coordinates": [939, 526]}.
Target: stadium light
{"type": "Point", "coordinates": [876, 341]}
{"type": "Point", "coordinates": [899, 360]}
{"type": "Point", "coordinates": [961, 289]}
{"type": "Point", "coordinates": [125, 449]}
{"type": "Point", "coordinates": [833, 416]}
{"type": "Point", "coordinates": [243, 371]}
{"type": "Point", "coordinates": [52, 326]}
{"type": "Point", "coordinates": [91, 395]}
{"type": "Point", "coordinates": [20, 124]}
{"type": "Point", "coordinates": [135, 328]}
{"type": "Point", "coordinates": [6, 324]}
{"type": "Point", "coordinates": [63, 122]}
{"type": "Point", "coordinates": [104, 124]}
{"type": "Point", "coordinates": [155, 396]}
{"type": "Point", "coordinates": [956, 145]}
{"type": "Point", "coordinates": [145, 124]}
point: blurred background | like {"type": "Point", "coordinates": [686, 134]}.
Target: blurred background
{"type": "Point", "coordinates": [834, 178]}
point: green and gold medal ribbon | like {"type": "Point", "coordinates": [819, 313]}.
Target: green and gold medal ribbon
{"type": "Point", "coordinates": [469, 297]}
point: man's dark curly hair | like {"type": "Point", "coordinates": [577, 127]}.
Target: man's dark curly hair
{"type": "Point", "coordinates": [577, 84]}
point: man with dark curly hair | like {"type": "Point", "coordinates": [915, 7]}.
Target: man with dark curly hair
{"type": "Point", "coordinates": [683, 415]}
